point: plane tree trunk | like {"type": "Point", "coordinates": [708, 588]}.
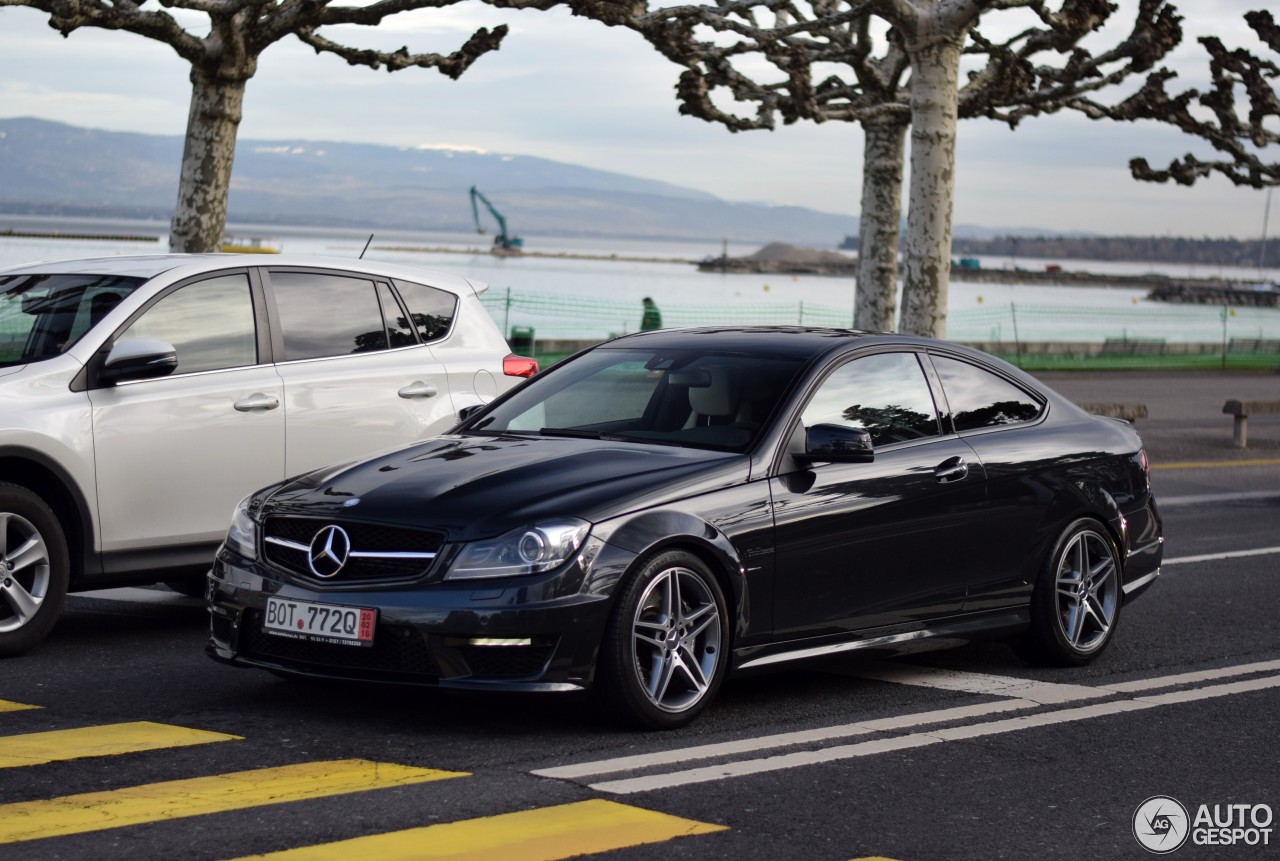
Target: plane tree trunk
{"type": "Point", "coordinates": [935, 70]}
{"type": "Point", "coordinates": [876, 299]}
{"type": "Point", "coordinates": [200, 215]}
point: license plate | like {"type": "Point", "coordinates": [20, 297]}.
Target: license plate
{"type": "Point", "coordinates": [323, 623]}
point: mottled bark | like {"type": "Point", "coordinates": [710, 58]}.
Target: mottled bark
{"type": "Point", "coordinates": [200, 216]}
{"type": "Point", "coordinates": [876, 298]}
{"type": "Point", "coordinates": [935, 70]}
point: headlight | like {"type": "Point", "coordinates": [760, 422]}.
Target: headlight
{"type": "Point", "coordinates": [529, 550]}
{"type": "Point", "coordinates": [242, 537]}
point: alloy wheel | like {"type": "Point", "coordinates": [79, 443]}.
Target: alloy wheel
{"type": "Point", "coordinates": [1088, 591]}
{"type": "Point", "coordinates": [677, 638]}
{"type": "Point", "coordinates": [24, 571]}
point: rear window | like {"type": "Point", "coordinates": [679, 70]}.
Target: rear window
{"type": "Point", "coordinates": [430, 310]}
{"type": "Point", "coordinates": [42, 316]}
{"type": "Point", "coordinates": [980, 399]}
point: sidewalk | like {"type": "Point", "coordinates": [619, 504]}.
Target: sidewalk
{"type": "Point", "coordinates": [1185, 420]}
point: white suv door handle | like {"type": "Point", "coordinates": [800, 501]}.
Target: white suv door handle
{"type": "Point", "coordinates": [257, 401]}
{"type": "Point", "coordinates": [418, 389]}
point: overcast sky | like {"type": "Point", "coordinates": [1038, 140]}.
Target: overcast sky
{"type": "Point", "coordinates": [574, 91]}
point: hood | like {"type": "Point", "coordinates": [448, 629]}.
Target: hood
{"type": "Point", "coordinates": [475, 487]}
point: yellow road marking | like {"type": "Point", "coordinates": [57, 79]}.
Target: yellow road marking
{"type": "Point", "coordinates": [60, 745]}
{"type": "Point", "coordinates": [1210, 464]}
{"type": "Point", "coordinates": [174, 799]}
{"type": "Point", "coordinates": [7, 706]}
{"type": "Point", "coordinates": [545, 834]}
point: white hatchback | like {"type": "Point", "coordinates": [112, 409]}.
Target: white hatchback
{"type": "Point", "coordinates": [142, 397]}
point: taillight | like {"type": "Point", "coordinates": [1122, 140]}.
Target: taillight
{"type": "Point", "coordinates": [519, 366]}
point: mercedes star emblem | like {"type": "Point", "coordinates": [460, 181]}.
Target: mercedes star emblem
{"type": "Point", "coordinates": [328, 551]}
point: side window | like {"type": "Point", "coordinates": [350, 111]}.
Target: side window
{"type": "Point", "coordinates": [399, 331]}
{"type": "Point", "coordinates": [209, 323]}
{"type": "Point", "coordinates": [980, 399]}
{"type": "Point", "coordinates": [430, 309]}
{"type": "Point", "coordinates": [884, 394]}
{"type": "Point", "coordinates": [327, 315]}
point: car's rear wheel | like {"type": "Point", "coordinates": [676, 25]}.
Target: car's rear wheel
{"type": "Point", "coordinates": [1076, 603]}
{"type": "Point", "coordinates": [34, 569]}
{"type": "Point", "coordinates": [666, 648]}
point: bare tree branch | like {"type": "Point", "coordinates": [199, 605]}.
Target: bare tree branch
{"type": "Point", "coordinates": [67, 16]}
{"type": "Point", "coordinates": [453, 65]}
{"type": "Point", "coordinates": [1246, 134]}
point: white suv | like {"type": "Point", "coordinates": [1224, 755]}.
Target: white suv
{"type": "Point", "coordinates": [142, 397]}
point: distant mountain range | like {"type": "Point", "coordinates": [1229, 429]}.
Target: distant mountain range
{"type": "Point", "coordinates": [49, 168]}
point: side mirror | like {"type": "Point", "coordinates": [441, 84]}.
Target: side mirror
{"type": "Point", "coordinates": [138, 359]}
{"type": "Point", "coordinates": [838, 444]}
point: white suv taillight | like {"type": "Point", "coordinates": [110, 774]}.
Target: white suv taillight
{"type": "Point", "coordinates": [519, 366]}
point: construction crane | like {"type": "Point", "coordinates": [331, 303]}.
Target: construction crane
{"type": "Point", "coordinates": [502, 243]}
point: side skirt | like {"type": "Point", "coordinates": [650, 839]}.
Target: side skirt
{"type": "Point", "coordinates": [941, 634]}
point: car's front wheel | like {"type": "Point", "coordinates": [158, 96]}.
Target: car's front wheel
{"type": "Point", "coordinates": [1076, 603]}
{"type": "Point", "coordinates": [34, 569]}
{"type": "Point", "coordinates": [666, 649]}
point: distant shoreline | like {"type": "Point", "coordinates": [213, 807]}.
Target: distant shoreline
{"type": "Point", "coordinates": [548, 255]}
{"type": "Point", "coordinates": [58, 234]}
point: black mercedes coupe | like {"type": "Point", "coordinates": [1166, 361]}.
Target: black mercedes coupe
{"type": "Point", "coordinates": [668, 507]}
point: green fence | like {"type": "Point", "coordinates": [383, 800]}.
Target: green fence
{"type": "Point", "coordinates": [1036, 337]}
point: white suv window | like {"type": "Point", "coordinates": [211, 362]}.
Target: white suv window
{"type": "Point", "coordinates": [209, 323]}
{"type": "Point", "coordinates": [327, 315]}
{"type": "Point", "coordinates": [432, 310]}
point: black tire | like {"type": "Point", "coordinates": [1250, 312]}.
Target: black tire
{"type": "Point", "coordinates": [1076, 602]}
{"type": "Point", "coordinates": [659, 669]}
{"type": "Point", "coordinates": [34, 569]}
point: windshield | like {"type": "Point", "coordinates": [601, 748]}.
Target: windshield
{"type": "Point", "coordinates": [42, 316]}
{"type": "Point", "coordinates": [675, 397]}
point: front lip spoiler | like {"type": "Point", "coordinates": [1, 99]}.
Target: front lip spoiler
{"type": "Point", "coordinates": [462, 683]}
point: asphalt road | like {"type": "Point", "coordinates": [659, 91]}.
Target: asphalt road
{"type": "Point", "coordinates": [968, 753]}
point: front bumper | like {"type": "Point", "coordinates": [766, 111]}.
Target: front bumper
{"type": "Point", "coordinates": [527, 633]}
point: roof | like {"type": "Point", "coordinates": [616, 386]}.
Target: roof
{"type": "Point", "coordinates": [777, 340]}
{"type": "Point", "coordinates": [151, 265]}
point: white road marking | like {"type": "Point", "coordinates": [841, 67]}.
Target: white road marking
{"type": "Point", "coordinates": [923, 739]}
{"type": "Point", "coordinates": [1192, 678]}
{"type": "Point", "coordinates": [768, 742]}
{"type": "Point", "coordinates": [977, 683]}
{"type": "Point", "coordinates": [142, 596]}
{"type": "Point", "coordinates": [1209, 498]}
{"type": "Point", "coordinates": [1044, 693]}
{"type": "Point", "coordinates": [1213, 557]}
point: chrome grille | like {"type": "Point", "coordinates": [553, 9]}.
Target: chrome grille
{"type": "Point", "coordinates": [377, 552]}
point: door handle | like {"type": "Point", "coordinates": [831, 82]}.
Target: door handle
{"type": "Point", "coordinates": [255, 402]}
{"type": "Point", "coordinates": [951, 469]}
{"type": "Point", "coordinates": [418, 389]}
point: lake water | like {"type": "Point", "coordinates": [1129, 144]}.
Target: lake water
{"type": "Point", "coordinates": [580, 298]}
